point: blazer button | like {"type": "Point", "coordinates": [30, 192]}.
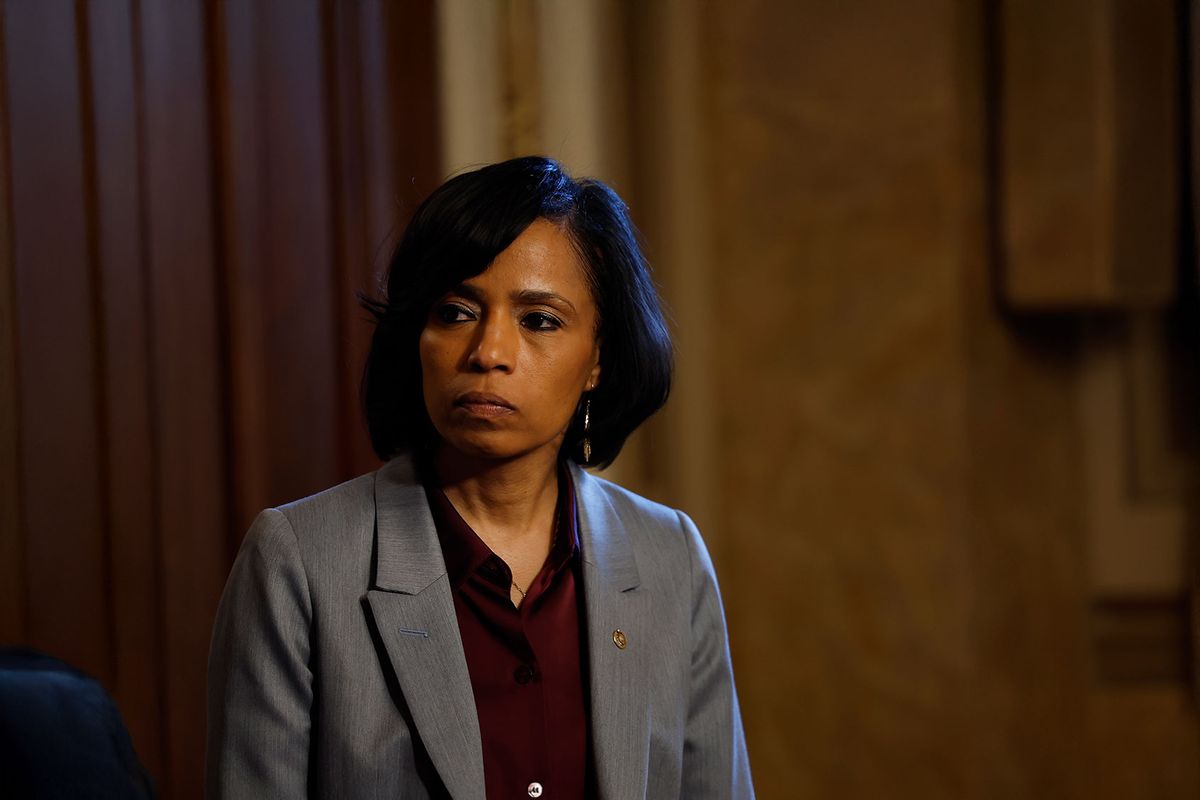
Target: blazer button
{"type": "Point", "coordinates": [534, 789]}
{"type": "Point", "coordinates": [619, 638]}
{"type": "Point", "coordinates": [523, 674]}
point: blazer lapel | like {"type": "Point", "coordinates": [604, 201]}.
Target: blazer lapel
{"type": "Point", "coordinates": [413, 610]}
{"type": "Point", "coordinates": [620, 701]}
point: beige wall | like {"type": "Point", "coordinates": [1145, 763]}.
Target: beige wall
{"type": "Point", "coordinates": [937, 464]}
{"type": "Point", "coordinates": [842, 337]}
{"type": "Point", "coordinates": [908, 470]}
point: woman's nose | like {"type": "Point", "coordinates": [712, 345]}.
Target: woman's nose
{"type": "Point", "coordinates": [494, 346]}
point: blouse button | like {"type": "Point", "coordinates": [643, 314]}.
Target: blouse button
{"type": "Point", "coordinates": [535, 789]}
{"type": "Point", "coordinates": [523, 675]}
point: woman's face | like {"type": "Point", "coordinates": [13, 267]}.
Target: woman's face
{"type": "Point", "coordinates": [506, 355]}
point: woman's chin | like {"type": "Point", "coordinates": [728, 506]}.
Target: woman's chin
{"type": "Point", "coordinates": [488, 448]}
{"type": "Point", "coordinates": [485, 448]}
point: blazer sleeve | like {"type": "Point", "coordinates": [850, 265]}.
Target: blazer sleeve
{"type": "Point", "coordinates": [259, 679]}
{"type": "Point", "coordinates": [715, 762]}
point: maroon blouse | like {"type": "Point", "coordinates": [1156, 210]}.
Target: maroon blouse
{"type": "Point", "coordinates": [528, 665]}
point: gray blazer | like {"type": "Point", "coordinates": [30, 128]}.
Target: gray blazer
{"type": "Point", "coordinates": [337, 670]}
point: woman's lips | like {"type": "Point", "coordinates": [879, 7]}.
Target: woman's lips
{"type": "Point", "coordinates": [484, 405]}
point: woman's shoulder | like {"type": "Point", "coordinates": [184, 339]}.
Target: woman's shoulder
{"type": "Point", "coordinates": [622, 527]}
{"type": "Point", "coordinates": [335, 516]}
{"type": "Point", "coordinates": [333, 505]}
{"type": "Point", "coordinates": [649, 524]}
{"type": "Point", "coordinates": [322, 535]}
{"type": "Point", "coordinates": [625, 502]}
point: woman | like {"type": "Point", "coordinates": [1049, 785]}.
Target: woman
{"type": "Point", "coordinates": [481, 617]}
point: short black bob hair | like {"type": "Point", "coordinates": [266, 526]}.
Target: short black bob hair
{"type": "Point", "coordinates": [455, 235]}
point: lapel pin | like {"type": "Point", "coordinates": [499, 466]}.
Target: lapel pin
{"type": "Point", "coordinates": [619, 639]}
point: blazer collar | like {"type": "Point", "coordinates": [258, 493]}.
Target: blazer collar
{"type": "Point", "coordinates": [412, 613]}
{"type": "Point", "coordinates": [409, 557]}
{"type": "Point", "coordinates": [604, 537]}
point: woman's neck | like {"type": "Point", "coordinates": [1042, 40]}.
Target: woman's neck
{"type": "Point", "coordinates": [507, 503]}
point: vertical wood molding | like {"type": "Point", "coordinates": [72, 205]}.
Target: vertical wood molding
{"type": "Point", "coordinates": [352, 51]}
{"type": "Point", "coordinates": [1089, 153]}
{"type": "Point", "coordinates": [1023, 517]}
{"type": "Point", "coordinates": [1162, 390]}
{"type": "Point", "coordinates": [587, 90]}
{"type": "Point", "coordinates": [1192, 61]}
{"type": "Point", "coordinates": [402, 127]}
{"type": "Point", "coordinates": [522, 107]}
{"type": "Point", "coordinates": [570, 79]}
{"type": "Point", "coordinates": [1134, 548]}
{"type": "Point", "coordinates": [237, 92]}
{"type": "Point", "coordinates": [65, 550]}
{"type": "Point", "coordinates": [279, 244]}
{"type": "Point", "coordinates": [296, 211]}
{"type": "Point", "coordinates": [128, 465]}
{"type": "Point", "coordinates": [1144, 214]}
{"type": "Point", "coordinates": [470, 78]}
{"type": "Point", "coordinates": [186, 365]}
{"type": "Point", "coordinates": [383, 157]}
{"type": "Point", "coordinates": [13, 609]}
{"type": "Point", "coordinates": [673, 166]}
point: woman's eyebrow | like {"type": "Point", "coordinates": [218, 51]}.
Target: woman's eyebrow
{"type": "Point", "coordinates": [526, 297]}
{"type": "Point", "coordinates": [535, 296]}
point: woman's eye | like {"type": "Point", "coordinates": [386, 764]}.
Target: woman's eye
{"type": "Point", "coordinates": [452, 312]}
{"type": "Point", "coordinates": [537, 321]}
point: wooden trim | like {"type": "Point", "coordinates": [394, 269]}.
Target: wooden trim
{"type": "Point", "coordinates": [98, 334]}
{"type": "Point", "coordinates": [355, 74]}
{"type": "Point", "coordinates": [521, 104]}
{"type": "Point", "coordinates": [675, 196]}
{"type": "Point", "coordinates": [470, 78]}
{"type": "Point", "coordinates": [1140, 639]}
{"type": "Point", "coordinates": [297, 294]}
{"type": "Point", "coordinates": [121, 283]}
{"type": "Point", "coordinates": [240, 177]}
{"type": "Point", "coordinates": [1088, 136]}
{"type": "Point", "coordinates": [14, 610]}
{"type": "Point", "coordinates": [188, 374]}
{"type": "Point", "coordinates": [61, 447]}
{"type": "Point", "coordinates": [1134, 547]}
{"type": "Point", "coordinates": [384, 160]}
{"type": "Point", "coordinates": [343, 160]}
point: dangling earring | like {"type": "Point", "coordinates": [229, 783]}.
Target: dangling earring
{"type": "Point", "coordinates": [587, 424]}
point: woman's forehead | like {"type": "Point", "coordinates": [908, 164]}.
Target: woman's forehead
{"type": "Point", "coordinates": [542, 259]}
